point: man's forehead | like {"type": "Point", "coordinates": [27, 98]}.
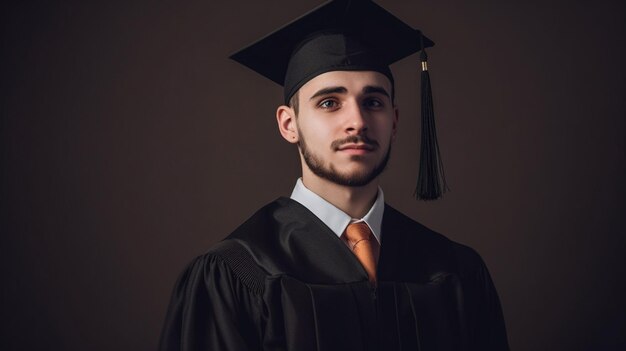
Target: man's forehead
{"type": "Point", "coordinates": [352, 81]}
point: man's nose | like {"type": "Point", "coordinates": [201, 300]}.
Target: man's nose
{"type": "Point", "coordinates": [356, 122]}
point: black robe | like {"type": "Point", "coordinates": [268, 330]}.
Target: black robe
{"type": "Point", "coordinates": [284, 281]}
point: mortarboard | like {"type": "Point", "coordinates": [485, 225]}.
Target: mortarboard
{"type": "Point", "coordinates": [349, 35]}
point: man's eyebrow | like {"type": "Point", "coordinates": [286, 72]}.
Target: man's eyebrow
{"type": "Point", "coordinates": [372, 89]}
{"type": "Point", "coordinates": [329, 90]}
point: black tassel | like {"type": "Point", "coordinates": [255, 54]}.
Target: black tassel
{"type": "Point", "coordinates": [431, 182]}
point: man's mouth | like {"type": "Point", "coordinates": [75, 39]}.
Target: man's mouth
{"type": "Point", "coordinates": [364, 147]}
{"type": "Point", "coordinates": [356, 144]}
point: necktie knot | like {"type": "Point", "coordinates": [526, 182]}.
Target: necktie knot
{"type": "Point", "coordinates": [357, 232]}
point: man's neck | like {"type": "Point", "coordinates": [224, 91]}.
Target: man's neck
{"type": "Point", "coordinates": [354, 201]}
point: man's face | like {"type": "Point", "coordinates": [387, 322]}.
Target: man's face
{"type": "Point", "coordinates": [346, 123]}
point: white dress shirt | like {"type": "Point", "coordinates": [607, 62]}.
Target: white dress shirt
{"type": "Point", "coordinates": [336, 219]}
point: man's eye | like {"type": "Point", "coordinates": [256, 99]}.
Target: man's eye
{"type": "Point", "coordinates": [328, 104]}
{"type": "Point", "coordinates": [373, 103]}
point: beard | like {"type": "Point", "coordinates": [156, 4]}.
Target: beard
{"type": "Point", "coordinates": [353, 179]}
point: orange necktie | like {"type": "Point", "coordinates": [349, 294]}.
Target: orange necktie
{"type": "Point", "coordinates": [364, 246]}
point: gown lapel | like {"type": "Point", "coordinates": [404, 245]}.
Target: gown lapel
{"type": "Point", "coordinates": [312, 251]}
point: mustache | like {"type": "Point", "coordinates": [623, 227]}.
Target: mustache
{"type": "Point", "coordinates": [354, 139]}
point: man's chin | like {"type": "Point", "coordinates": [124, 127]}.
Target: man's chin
{"type": "Point", "coordinates": [355, 171]}
{"type": "Point", "coordinates": [353, 178]}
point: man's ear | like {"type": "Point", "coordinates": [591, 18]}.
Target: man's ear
{"type": "Point", "coordinates": [287, 124]}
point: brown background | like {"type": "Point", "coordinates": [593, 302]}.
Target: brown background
{"type": "Point", "coordinates": [130, 144]}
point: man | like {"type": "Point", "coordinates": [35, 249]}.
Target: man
{"type": "Point", "coordinates": [333, 267]}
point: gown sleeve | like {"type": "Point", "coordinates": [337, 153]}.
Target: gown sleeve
{"type": "Point", "coordinates": [211, 309]}
{"type": "Point", "coordinates": [486, 320]}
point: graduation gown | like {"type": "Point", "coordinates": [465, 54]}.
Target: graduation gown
{"type": "Point", "coordinates": [284, 281]}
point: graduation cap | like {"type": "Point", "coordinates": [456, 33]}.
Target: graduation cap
{"type": "Point", "coordinates": [350, 35]}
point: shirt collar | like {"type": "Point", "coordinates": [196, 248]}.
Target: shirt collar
{"type": "Point", "coordinates": [336, 219]}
